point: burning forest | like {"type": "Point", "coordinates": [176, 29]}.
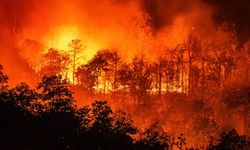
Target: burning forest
{"type": "Point", "coordinates": [125, 74]}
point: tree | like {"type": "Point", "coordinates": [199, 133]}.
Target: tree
{"type": "Point", "coordinates": [101, 127]}
{"type": "Point", "coordinates": [15, 114]}
{"type": "Point", "coordinates": [75, 48]}
{"type": "Point", "coordinates": [177, 68]}
{"type": "Point", "coordinates": [164, 71]}
{"type": "Point", "coordinates": [87, 77]}
{"type": "Point", "coordinates": [99, 65]}
{"type": "Point", "coordinates": [54, 63]}
{"type": "Point", "coordinates": [84, 115]}
{"type": "Point", "coordinates": [154, 138]}
{"type": "Point", "coordinates": [140, 79]}
{"type": "Point", "coordinates": [231, 140]}
{"type": "Point", "coordinates": [192, 47]}
{"type": "Point", "coordinates": [220, 67]}
{"type": "Point", "coordinates": [123, 123]}
{"type": "Point", "coordinates": [102, 117]}
{"type": "Point", "coordinates": [3, 79]}
{"type": "Point", "coordinates": [55, 93]}
{"type": "Point", "coordinates": [158, 72]}
{"type": "Point", "coordinates": [221, 61]}
{"type": "Point", "coordinates": [14, 127]}
{"type": "Point", "coordinates": [24, 97]}
{"type": "Point", "coordinates": [105, 64]}
{"type": "Point", "coordinates": [123, 130]}
{"type": "Point", "coordinates": [124, 75]}
{"type": "Point", "coordinates": [114, 63]}
{"type": "Point", "coordinates": [58, 121]}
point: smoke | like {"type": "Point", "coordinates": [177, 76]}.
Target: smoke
{"type": "Point", "coordinates": [12, 16]}
{"type": "Point", "coordinates": [132, 26]}
{"type": "Point", "coordinates": [29, 27]}
{"type": "Point", "coordinates": [233, 11]}
{"type": "Point", "coordinates": [164, 12]}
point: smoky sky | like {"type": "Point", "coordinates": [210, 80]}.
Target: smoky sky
{"type": "Point", "coordinates": [232, 10]}
{"type": "Point", "coordinates": [235, 11]}
{"type": "Point", "coordinates": [163, 12]}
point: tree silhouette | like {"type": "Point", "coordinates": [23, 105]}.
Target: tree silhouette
{"type": "Point", "coordinates": [100, 65]}
{"type": "Point", "coordinates": [75, 48]}
{"type": "Point", "coordinates": [231, 140]}
{"type": "Point", "coordinates": [56, 93]}
{"type": "Point", "coordinates": [154, 138]}
{"type": "Point", "coordinates": [163, 70]}
{"type": "Point", "coordinates": [123, 130]}
{"type": "Point", "coordinates": [15, 118]}
{"type": "Point", "coordinates": [123, 123]}
{"type": "Point", "coordinates": [3, 79]}
{"type": "Point", "coordinates": [24, 97]}
{"type": "Point", "coordinates": [87, 77]}
{"type": "Point", "coordinates": [54, 63]}
{"type": "Point", "coordinates": [141, 79]}
{"type": "Point", "coordinates": [105, 64]}
{"type": "Point", "coordinates": [192, 47]}
{"type": "Point", "coordinates": [124, 75]}
{"type": "Point", "coordinates": [100, 71]}
{"type": "Point", "coordinates": [59, 119]}
{"type": "Point", "coordinates": [102, 116]}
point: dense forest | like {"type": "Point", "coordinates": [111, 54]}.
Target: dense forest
{"type": "Point", "coordinates": [198, 88]}
{"type": "Point", "coordinates": [125, 74]}
{"type": "Point", "coordinates": [193, 96]}
{"type": "Point", "coordinates": [47, 118]}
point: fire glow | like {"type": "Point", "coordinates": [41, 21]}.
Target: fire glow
{"type": "Point", "coordinates": [166, 62]}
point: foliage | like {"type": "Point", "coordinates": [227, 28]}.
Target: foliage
{"type": "Point", "coordinates": [54, 63]}
{"type": "Point", "coordinates": [56, 93]}
{"type": "Point", "coordinates": [154, 138]}
{"type": "Point", "coordinates": [3, 79]}
{"type": "Point", "coordinates": [231, 140]}
{"type": "Point", "coordinates": [47, 118]}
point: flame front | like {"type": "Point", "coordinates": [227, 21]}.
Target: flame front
{"type": "Point", "coordinates": [163, 61]}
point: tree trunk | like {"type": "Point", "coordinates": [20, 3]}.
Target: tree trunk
{"type": "Point", "coordinates": [74, 67]}
{"type": "Point", "coordinates": [189, 77]}
{"type": "Point", "coordinates": [159, 85]}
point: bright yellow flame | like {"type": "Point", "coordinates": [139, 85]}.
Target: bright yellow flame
{"type": "Point", "coordinates": [61, 38]}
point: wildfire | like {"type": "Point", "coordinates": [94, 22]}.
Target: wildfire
{"type": "Point", "coordinates": [61, 37]}
{"type": "Point", "coordinates": [187, 53]}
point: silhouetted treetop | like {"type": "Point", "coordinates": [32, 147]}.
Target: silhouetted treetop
{"type": "Point", "coordinates": [153, 138]}
{"type": "Point", "coordinates": [56, 91]}
{"type": "Point", "coordinates": [3, 79]}
{"type": "Point", "coordinates": [231, 140]}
